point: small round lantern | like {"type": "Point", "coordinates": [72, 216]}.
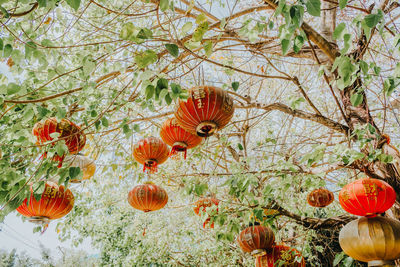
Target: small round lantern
{"type": "Point", "coordinates": [374, 240]}
{"type": "Point", "coordinates": [179, 139]}
{"type": "Point", "coordinates": [367, 197]}
{"type": "Point", "coordinates": [202, 204]}
{"type": "Point", "coordinates": [148, 197]}
{"type": "Point", "coordinates": [256, 239]}
{"type": "Point", "coordinates": [87, 166]}
{"type": "Point", "coordinates": [280, 255]}
{"type": "Point", "coordinates": [207, 110]}
{"type": "Point", "coordinates": [320, 198]}
{"type": "Point", "coordinates": [150, 152]}
{"type": "Point", "coordinates": [55, 202]}
{"type": "Point", "coordinates": [75, 140]}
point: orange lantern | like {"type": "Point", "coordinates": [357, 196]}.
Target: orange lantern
{"type": "Point", "coordinates": [202, 204]}
{"type": "Point", "coordinates": [367, 197]}
{"type": "Point", "coordinates": [256, 239]}
{"type": "Point", "coordinates": [179, 139]}
{"type": "Point", "coordinates": [207, 110]}
{"type": "Point", "coordinates": [75, 140]}
{"type": "Point", "coordinates": [55, 202]}
{"type": "Point", "coordinates": [320, 198]}
{"type": "Point", "coordinates": [280, 255]}
{"type": "Point", "coordinates": [148, 197]}
{"type": "Point", "coordinates": [150, 152]}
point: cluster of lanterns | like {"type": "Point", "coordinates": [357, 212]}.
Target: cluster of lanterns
{"type": "Point", "coordinates": [56, 201]}
{"type": "Point", "coordinates": [371, 238]}
{"type": "Point", "coordinates": [207, 110]}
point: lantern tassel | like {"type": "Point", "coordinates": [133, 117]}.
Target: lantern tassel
{"type": "Point", "coordinates": [174, 152]}
{"type": "Point", "coordinates": [150, 168]}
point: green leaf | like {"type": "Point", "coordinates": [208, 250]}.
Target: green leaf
{"type": "Point", "coordinates": [356, 99]}
{"type": "Point", "coordinates": [1, 44]}
{"type": "Point", "coordinates": [208, 48]}
{"type": "Point", "coordinates": [339, 31]}
{"type": "Point", "coordinates": [88, 66]}
{"type": "Point", "coordinates": [372, 20]}
{"type": "Point", "coordinates": [201, 18]}
{"type": "Point", "coordinates": [314, 7]}
{"type": "Point", "coordinates": [172, 49]}
{"type": "Point", "coordinates": [298, 43]}
{"type": "Point", "coordinates": [150, 89]}
{"type": "Point", "coordinates": [7, 50]}
{"type": "Point", "coordinates": [74, 4]}
{"type": "Point", "coordinates": [168, 99]}
{"type": "Point", "coordinates": [186, 27]}
{"type": "Point", "coordinates": [5, 12]}
{"type": "Point", "coordinates": [235, 86]}
{"type": "Point", "coordinates": [285, 43]}
{"type": "Point", "coordinates": [143, 59]}
{"type": "Point", "coordinates": [343, 3]}
{"type": "Point", "coordinates": [164, 5]}
{"type": "Point", "coordinates": [30, 47]}
{"type": "Point", "coordinates": [240, 147]}
{"type": "Point", "coordinates": [74, 172]}
{"type": "Point", "coordinates": [199, 32]}
{"type": "Point", "coordinates": [13, 88]}
{"type": "Point", "coordinates": [104, 121]}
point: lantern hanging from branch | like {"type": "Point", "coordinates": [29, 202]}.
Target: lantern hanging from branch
{"type": "Point", "coordinates": [179, 139]}
{"type": "Point", "coordinates": [148, 197]}
{"type": "Point", "coordinates": [68, 131]}
{"type": "Point", "coordinates": [281, 255]}
{"type": "Point", "coordinates": [256, 239]}
{"type": "Point", "coordinates": [55, 202]}
{"type": "Point", "coordinates": [202, 204]}
{"type": "Point", "coordinates": [374, 240]}
{"type": "Point", "coordinates": [150, 152]}
{"type": "Point", "coordinates": [207, 110]}
{"type": "Point", "coordinates": [87, 166]}
{"type": "Point", "coordinates": [320, 198]}
{"type": "Point", "coordinates": [367, 197]}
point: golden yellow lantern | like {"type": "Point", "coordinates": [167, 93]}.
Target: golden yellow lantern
{"type": "Point", "coordinates": [373, 240]}
{"type": "Point", "coordinates": [87, 166]}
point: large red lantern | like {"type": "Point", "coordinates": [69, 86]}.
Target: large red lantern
{"type": "Point", "coordinates": [281, 255]}
{"type": "Point", "coordinates": [75, 140]}
{"type": "Point", "coordinates": [150, 152]}
{"type": "Point", "coordinates": [148, 197]}
{"type": "Point", "coordinates": [206, 110]}
{"type": "Point", "coordinates": [256, 239]}
{"type": "Point", "coordinates": [320, 198]}
{"type": "Point", "coordinates": [179, 139]}
{"type": "Point", "coordinates": [367, 197]}
{"type": "Point", "coordinates": [55, 202]}
{"type": "Point", "coordinates": [202, 204]}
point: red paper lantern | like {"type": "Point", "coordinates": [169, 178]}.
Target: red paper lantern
{"type": "Point", "coordinates": [367, 197]}
{"type": "Point", "coordinates": [202, 204]}
{"type": "Point", "coordinates": [280, 254]}
{"type": "Point", "coordinates": [150, 152]}
{"type": "Point", "coordinates": [148, 197]}
{"type": "Point", "coordinates": [75, 140]}
{"type": "Point", "coordinates": [207, 109]}
{"type": "Point", "coordinates": [179, 139]}
{"type": "Point", "coordinates": [256, 239]}
{"type": "Point", "coordinates": [55, 202]}
{"type": "Point", "coordinates": [320, 198]}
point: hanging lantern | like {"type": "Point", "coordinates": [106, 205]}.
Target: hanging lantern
{"type": "Point", "coordinates": [320, 198]}
{"type": "Point", "coordinates": [207, 110]}
{"type": "Point", "coordinates": [202, 204]}
{"type": "Point", "coordinates": [367, 197]}
{"type": "Point", "coordinates": [179, 139]}
{"type": "Point", "coordinates": [148, 197]}
{"type": "Point", "coordinates": [150, 152]}
{"type": "Point", "coordinates": [74, 139]}
{"type": "Point", "coordinates": [55, 202]}
{"type": "Point", "coordinates": [256, 239]}
{"type": "Point", "coordinates": [374, 240]}
{"type": "Point", "coordinates": [280, 255]}
{"type": "Point", "coordinates": [87, 166]}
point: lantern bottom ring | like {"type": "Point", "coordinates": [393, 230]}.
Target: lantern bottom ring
{"type": "Point", "coordinates": [39, 219]}
{"type": "Point", "coordinates": [206, 128]}
{"type": "Point", "coordinates": [258, 252]}
{"type": "Point", "coordinates": [180, 146]}
{"type": "Point", "coordinates": [381, 263]}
